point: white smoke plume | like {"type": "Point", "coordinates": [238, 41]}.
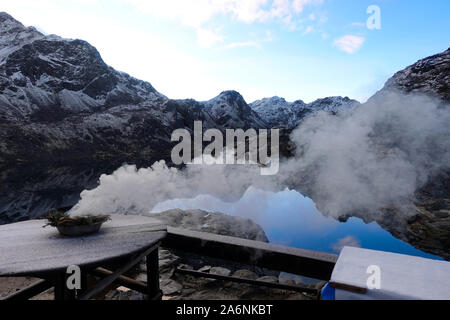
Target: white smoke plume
{"type": "Point", "coordinates": [369, 158]}
{"type": "Point", "coordinates": [373, 157]}
{"type": "Point", "coordinates": [129, 190]}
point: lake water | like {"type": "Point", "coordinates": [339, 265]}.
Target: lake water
{"type": "Point", "coordinates": [288, 218]}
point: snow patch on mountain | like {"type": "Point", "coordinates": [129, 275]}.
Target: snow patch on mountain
{"type": "Point", "coordinates": [13, 35]}
{"type": "Point", "coordinates": [229, 110]}
{"type": "Point", "coordinates": [39, 73]}
{"type": "Point", "coordinates": [277, 111]}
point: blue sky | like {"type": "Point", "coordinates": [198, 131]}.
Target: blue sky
{"type": "Point", "coordinates": [296, 49]}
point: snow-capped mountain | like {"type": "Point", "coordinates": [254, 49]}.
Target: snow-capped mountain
{"type": "Point", "coordinates": [277, 111]}
{"type": "Point", "coordinates": [60, 102]}
{"type": "Point", "coordinates": [229, 110]}
{"type": "Point", "coordinates": [45, 76]}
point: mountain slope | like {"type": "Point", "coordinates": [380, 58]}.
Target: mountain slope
{"type": "Point", "coordinates": [44, 76]}
{"type": "Point", "coordinates": [429, 76]}
{"type": "Point", "coordinates": [60, 102]}
{"type": "Point", "coordinates": [277, 111]}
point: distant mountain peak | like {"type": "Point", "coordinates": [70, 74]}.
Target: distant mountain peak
{"type": "Point", "coordinates": [231, 95]}
{"type": "Point", "coordinates": [277, 111]}
{"type": "Point", "coordinates": [230, 110]}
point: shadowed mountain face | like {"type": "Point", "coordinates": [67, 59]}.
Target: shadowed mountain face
{"type": "Point", "coordinates": [429, 76]}
{"type": "Point", "coordinates": [31, 192]}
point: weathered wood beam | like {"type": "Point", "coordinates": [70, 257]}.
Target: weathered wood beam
{"type": "Point", "coordinates": [127, 282]}
{"type": "Point", "coordinates": [247, 281]}
{"type": "Point", "coordinates": [30, 291]}
{"type": "Point", "coordinates": [105, 282]}
{"type": "Point", "coordinates": [313, 264]}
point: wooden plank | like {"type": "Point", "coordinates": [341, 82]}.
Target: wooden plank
{"type": "Point", "coordinates": [127, 282]}
{"type": "Point", "coordinates": [247, 281]}
{"type": "Point", "coordinates": [152, 262]}
{"type": "Point", "coordinates": [30, 291]}
{"type": "Point", "coordinates": [111, 278]}
{"type": "Point", "coordinates": [61, 290]}
{"type": "Point", "coordinates": [348, 287]}
{"type": "Point", "coordinates": [318, 265]}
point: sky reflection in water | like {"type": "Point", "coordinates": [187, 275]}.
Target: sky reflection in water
{"type": "Point", "coordinates": [288, 218]}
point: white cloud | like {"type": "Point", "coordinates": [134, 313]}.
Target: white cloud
{"type": "Point", "coordinates": [349, 43]}
{"type": "Point", "coordinates": [246, 11]}
{"type": "Point", "coordinates": [308, 29]}
{"type": "Point", "coordinates": [348, 241]}
{"type": "Point", "coordinates": [242, 44]}
{"type": "Point", "coordinates": [280, 9]}
{"type": "Point", "coordinates": [250, 43]}
{"type": "Point", "coordinates": [193, 13]}
{"type": "Point", "coordinates": [208, 38]}
{"type": "Point", "coordinates": [196, 13]}
{"type": "Point", "coordinates": [299, 5]}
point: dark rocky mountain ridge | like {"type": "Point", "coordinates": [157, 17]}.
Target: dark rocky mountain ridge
{"type": "Point", "coordinates": [429, 76]}
{"type": "Point", "coordinates": [59, 102]}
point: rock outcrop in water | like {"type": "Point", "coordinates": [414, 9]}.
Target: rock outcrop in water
{"type": "Point", "coordinates": [217, 223]}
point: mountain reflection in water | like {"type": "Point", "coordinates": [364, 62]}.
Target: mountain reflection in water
{"type": "Point", "coordinates": [289, 218]}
